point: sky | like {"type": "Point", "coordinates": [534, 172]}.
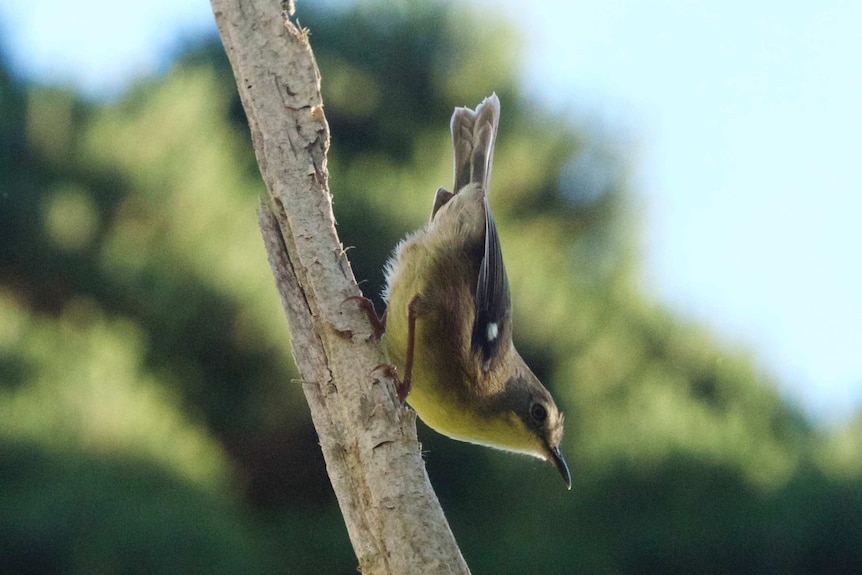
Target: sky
{"type": "Point", "coordinates": [741, 120]}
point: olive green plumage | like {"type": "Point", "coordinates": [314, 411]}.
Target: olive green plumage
{"type": "Point", "coordinates": [467, 379]}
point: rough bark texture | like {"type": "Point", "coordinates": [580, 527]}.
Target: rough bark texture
{"type": "Point", "coordinates": [369, 441]}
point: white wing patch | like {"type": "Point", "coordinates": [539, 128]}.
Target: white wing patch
{"type": "Point", "coordinates": [493, 331]}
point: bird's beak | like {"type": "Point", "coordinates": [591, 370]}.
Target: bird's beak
{"type": "Point", "coordinates": [555, 457]}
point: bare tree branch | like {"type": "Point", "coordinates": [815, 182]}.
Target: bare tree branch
{"type": "Point", "coordinates": [368, 440]}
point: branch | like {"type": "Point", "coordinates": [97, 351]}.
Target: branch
{"type": "Point", "coordinates": [369, 441]}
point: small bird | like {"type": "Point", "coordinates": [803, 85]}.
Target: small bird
{"type": "Point", "coordinates": [448, 322]}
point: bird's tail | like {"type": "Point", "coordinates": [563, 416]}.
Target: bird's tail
{"type": "Point", "coordinates": [473, 136]}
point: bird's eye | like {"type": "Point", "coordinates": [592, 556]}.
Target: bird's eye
{"type": "Point", "coordinates": [538, 413]}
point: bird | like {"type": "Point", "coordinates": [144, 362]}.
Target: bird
{"type": "Point", "coordinates": [448, 321]}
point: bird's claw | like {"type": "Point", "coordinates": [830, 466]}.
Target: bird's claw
{"type": "Point", "coordinates": [402, 389]}
{"type": "Point", "coordinates": [378, 325]}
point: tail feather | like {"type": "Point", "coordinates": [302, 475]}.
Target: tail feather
{"type": "Point", "coordinates": [473, 136]}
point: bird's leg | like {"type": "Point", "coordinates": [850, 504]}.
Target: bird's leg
{"type": "Point", "coordinates": [377, 324]}
{"type": "Point", "coordinates": [402, 385]}
{"type": "Point", "coordinates": [412, 312]}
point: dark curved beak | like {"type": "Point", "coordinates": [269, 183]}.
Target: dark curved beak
{"type": "Point", "coordinates": [555, 457]}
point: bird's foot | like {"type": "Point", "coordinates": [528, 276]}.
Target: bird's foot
{"type": "Point", "coordinates": [402, 388]}
{"type": "Point", "coordinates": [365, 305]}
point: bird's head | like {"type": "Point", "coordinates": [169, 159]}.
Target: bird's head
{"type": "Point", "coordinates": [523, 418]}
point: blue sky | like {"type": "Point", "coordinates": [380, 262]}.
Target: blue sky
{"type": "Point", "coordinates": [743, 122]}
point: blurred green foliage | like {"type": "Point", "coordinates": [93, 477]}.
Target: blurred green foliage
{"type": "Point", "coordinates": [148, 422]}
